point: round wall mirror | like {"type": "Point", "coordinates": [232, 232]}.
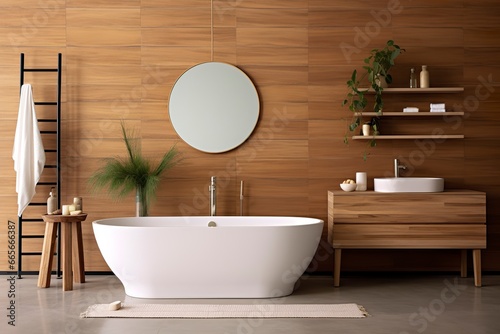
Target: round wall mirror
{"type": "Point", "coordinates": [214, 107]}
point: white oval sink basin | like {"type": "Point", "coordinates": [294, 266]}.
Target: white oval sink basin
{"type": "Point", "coordinates": [409, 184]}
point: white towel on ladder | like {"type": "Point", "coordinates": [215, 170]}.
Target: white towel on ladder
{"type": "Point", "coordinates": [28, 152]}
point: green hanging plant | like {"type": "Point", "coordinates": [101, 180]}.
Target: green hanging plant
{"type": "Point", "coordinates": [377, 66]}
{"type": "Point", "coordinates": [121, 176]}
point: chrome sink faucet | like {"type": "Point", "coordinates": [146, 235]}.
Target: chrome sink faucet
{"type": "Point", "coordinates": [213, 196]}
{"type": "Point", "coordinates": [397, 167]}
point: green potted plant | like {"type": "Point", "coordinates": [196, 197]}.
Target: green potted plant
{"type": "Point", "coordinates": [377, 67]}
{"type": "Point", "coordinates": [121, 176]}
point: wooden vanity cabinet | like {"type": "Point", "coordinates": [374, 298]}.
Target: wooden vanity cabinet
{"type": "Point", "coordinates": [454, 219]}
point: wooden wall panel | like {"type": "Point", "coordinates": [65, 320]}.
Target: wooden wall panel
{"type": "Point", "coordinates": [292, 17]}
{"type": "Point", "coordinates": [286, 37]}
{"type": "Point", "coordinates": [178, 37]}
{"type": "Point", "coordinates": [25, 4]}
{"type": "Point", "coordinates": [173, 17]}
{"type": "Point", "coordinates": [42, 36]}
{"type": "Point", "coordinates": [83, 56]}
{"type": "Point", "coordinates": [438, 17]}
{"type": "Point", "coordinates": [121, 59]}
{"type": "Point", "coordinates": [36, 16]}
{"type": "Point", "coordinates": [102, 3]}
{"type": "Point", "coordinates": [174, 56]}
{"type": "Point", "coordinates": [103, 36]}
{"type": "Point", "coordinates": [262, 55]}
{"type": "Point", "coordinates": [173, 3]}
{"type": "Point", "coordinates": [278, 4]}
{"type": "Point", "coordinates": [102, 17]}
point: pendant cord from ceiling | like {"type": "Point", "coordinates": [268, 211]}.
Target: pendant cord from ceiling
{"type": "Point", "coordinates": [212, 30]}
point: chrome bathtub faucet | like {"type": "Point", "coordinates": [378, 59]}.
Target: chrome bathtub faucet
{"type": "Point", "coordinates": [397, 167]}
{"type": "Point", "coordinates": [212, 196]}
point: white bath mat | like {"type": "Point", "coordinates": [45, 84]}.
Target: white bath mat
{"type": "Point", "coordinates": [227, 311]}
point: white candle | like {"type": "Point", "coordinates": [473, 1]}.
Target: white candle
{"type": "Point", "coordinates": [366, 129]}
{"type": "Point", "coordinates": [65, 209]}
{"type": "Point", "coordinates": [360, 181]}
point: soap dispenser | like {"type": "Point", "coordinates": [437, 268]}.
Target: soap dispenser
{"type": "Point", "coordinates": [52, 201]}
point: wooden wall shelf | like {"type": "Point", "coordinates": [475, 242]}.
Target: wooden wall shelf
{"type": "Point", "coordinates": [408, 137]}
{"type": "Point", "coordinates": [410, 114]}
{"type": "Point", "coordinates": [420, 90]}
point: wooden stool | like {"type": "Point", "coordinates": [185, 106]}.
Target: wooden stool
{"type": "Point", "coordinates": [71, 250]}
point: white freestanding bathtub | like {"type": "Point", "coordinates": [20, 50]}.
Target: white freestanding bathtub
{"type": "Point", "coordinates": [182, 257]}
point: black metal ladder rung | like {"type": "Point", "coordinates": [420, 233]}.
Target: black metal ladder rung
{"type": "Point", "coordinates": [47, 183]}
{"type": "Point", "coordinates": [33, 220]}
{"type": "Point", "coordinates": [31, 253]}
{"type": "Point", "coordinates": [40, 70]}
{"type": "Point", "coordinates": [32, 236]}
{"type": "Point", "coordinates": [36, 253]}
{"type": "Point", "coordinates": [37, 204]}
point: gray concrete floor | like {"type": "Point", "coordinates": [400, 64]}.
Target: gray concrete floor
{"type": "Point", "coordinates": [396, 304]}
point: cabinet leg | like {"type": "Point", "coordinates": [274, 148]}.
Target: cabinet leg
{"type": "Point", "coordinates": [463, 265]}
{"type": "Point", "coordinates": [476, 256]}
{"type": "Point", "coordinates": [336, 267]}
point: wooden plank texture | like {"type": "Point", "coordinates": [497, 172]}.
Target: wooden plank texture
{"type": "Point", "coordinates": [370, 220]}
{"type": "Point", "coordinates": [410, 236]}
{"type": "Point", "coordinates": [456, 207]}
{"type": "Point", "coordinates": [454, 219]}
{"type": "Point", "coordinates": [121, 59]}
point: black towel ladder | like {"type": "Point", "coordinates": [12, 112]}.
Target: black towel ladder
{"type": "Point", "coordinates": [55, 183]}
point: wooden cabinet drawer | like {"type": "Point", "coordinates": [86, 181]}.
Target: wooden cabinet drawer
{"type": "Point", "coordinates": [372, 207]}
{"type": "Point", "coordinates": [410, 236]}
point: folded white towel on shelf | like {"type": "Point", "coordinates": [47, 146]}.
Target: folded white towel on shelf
{"type": "Point", "coordinates": [28, 152]}
{"type": "Point", "coordinates": [438, 106]}
{"type": "Point", "coordinates": [410, 109]}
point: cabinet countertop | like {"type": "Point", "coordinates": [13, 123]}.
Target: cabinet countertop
{"type": "Point", "coordinates": [374, 193]}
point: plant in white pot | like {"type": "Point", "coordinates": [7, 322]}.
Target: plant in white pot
{"type": "Point", "coordinates": [121, 176]}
